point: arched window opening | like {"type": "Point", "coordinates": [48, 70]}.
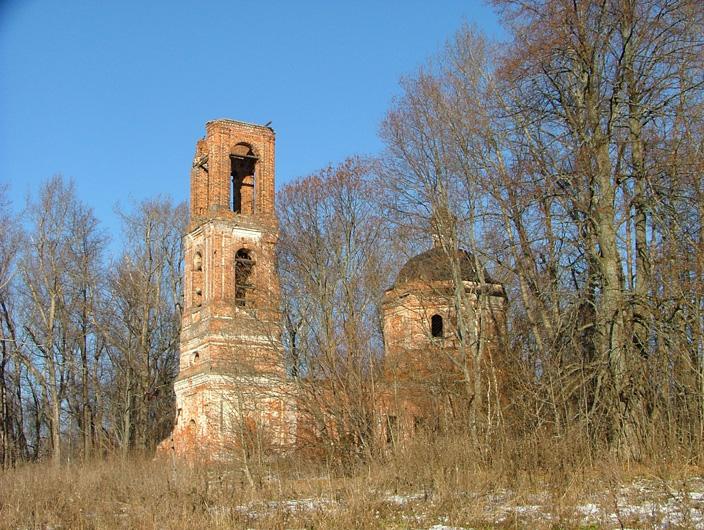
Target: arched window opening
{"type": "Point", "coordinates": [196, 357]}
{"type": "Point", "coordinates": [436, 326]}
{"type": "Point", "coordinates": [243, 273]}
{"type": "Point", "coordinates": [242, 165]}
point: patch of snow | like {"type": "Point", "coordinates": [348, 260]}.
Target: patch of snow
{"type": "Point", "coordinates": [404, 499]}
{"type": "Point", "coordinates": [589, 509]}
{"type": "Point", "coordinates": [697, 496]}
{"type": "Point", "coordinates": [529, 509]}
{"type": "Point", "coordinates": [302, 504]}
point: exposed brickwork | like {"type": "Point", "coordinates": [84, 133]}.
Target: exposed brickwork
{"type": "Point", "coordinates": [231, 377]}
{"type": "Point", "coordinates": [420, 376]}
{"type": "Point", "coordinates": [231, 390]}
{"type": "Point", "coordinates": [211, 174]}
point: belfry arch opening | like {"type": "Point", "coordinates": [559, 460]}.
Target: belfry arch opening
{"type": "Point", "coordinates": [244, 266]}
{"type": "Point", "coordinates": [243, 163]}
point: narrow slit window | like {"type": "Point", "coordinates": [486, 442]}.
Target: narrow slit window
{"type": "Point", "coordinates": [197, 278]}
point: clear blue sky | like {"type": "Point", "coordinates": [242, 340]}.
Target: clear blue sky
{"type": "Point", "coordinates": [115, 94]}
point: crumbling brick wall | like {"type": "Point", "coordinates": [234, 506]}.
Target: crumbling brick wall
{"type": "Point", "coordinates": [231, 364]}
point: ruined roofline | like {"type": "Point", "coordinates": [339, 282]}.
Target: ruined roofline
{"type": "Point", "coordinates": [493, 288]}
{"type": "Point", "coordinates": [244, 123]}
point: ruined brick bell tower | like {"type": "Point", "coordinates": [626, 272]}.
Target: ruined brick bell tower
{"type": "Point", "coordinates": [231, 384]}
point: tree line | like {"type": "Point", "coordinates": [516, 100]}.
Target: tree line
{"type": "Point", "coordinates": [87, 344]}
{"type": "Point", "coordinates": [567, 160]}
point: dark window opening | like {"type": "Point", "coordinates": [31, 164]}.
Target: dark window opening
{"type": "Point", "coordinates": [390, 429]}
{"type": "Point", "coordinates": [436, 326]}
{"type": "Point", "coordinates": [418, 424]}
{"type": "Point", "coordinates": [243, 272]}
{"type": "Point", "coordinates": [242, 163]}
{"type": "Point", "coordinates": [197, 279]}
{"type": "Point", "coordinates": [436, 424]}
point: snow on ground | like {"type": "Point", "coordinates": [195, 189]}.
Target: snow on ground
{"type": "Point", "coordinates": [658, 502]}
{"type": "Point", "coordinates": [404, 499]}
{"type": "Point", "coordinates": [647, 503]}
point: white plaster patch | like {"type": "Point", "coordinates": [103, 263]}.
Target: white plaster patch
{"type": "Point", "coordinates": [246, 233]}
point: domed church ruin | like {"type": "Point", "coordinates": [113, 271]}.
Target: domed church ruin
{"type": "Point", "coordinates": [444, 317]}
{"type": "Point", "coordinates": [437, 339]}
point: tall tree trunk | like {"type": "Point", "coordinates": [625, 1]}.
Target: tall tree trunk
{"type": "Point", "coordinates": [85, 395]}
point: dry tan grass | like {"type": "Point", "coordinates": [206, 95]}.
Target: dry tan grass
{"type": "Point", "coordinates": [427, 483]}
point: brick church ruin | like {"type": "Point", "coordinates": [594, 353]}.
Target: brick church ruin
{"type": "Point", "coordinates": [232, 385]}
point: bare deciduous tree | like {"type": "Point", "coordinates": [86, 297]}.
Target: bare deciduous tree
{"type": "Point", "coordinates": [333, 273]}
{"type": "Point", "coordinates": [13, 444]}
{"type": "Point", "coordinates": [142, 328]}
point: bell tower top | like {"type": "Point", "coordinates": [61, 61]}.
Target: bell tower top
{"type": "Point", "coordinates": [233, 172]}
